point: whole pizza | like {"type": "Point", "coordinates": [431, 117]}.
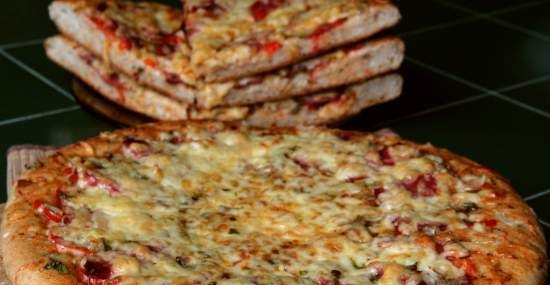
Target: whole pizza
{"type": "Point", "coordinates": [213, 203]}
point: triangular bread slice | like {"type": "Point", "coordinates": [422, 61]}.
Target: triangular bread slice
{"type": "Point", "coordinates": [231, 39]}
{"type": "Point", "coordinates": [321, 108]}
{"type": "Point", "coordinates": [144, 40]}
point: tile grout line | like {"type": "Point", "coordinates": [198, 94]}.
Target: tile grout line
{"type": "Point", "coordinates": [434, 109]}
{"type": "Point", "coordinates": [22, 44]}
{"type": "Point", "coordinates": [39, 115]}
{"type": "Point", "coordinates": [521, 104]}
{"type": "Point", "coordinates": [493, 93]}
{"type": "Point", "coordinates": [537, 195]}
{"type": "Point", "coordinates": [36, 74]}
{"type": "Point", "coordinates": [526, 83]}
{"type": "Point", "coordinates": [489, 17]}
{"type": "Point", "coordinates": [472, 18]}
{"type": "Point", "coordinates": [544, 223]}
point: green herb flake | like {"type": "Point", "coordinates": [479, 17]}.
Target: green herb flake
{"type": "Point", "coordinates": [56, 265]}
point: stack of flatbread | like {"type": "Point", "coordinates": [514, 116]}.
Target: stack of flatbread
{"type": "Point", "coordinates": [265, 62]}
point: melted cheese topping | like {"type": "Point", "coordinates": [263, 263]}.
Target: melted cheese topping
{"type": "Point", "coordinates": [237, 207]}
{"type": "Point", "coordinates": [223, 30]}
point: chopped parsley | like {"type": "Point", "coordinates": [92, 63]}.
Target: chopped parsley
{"type": "Point", "coordinates": [54, 264]}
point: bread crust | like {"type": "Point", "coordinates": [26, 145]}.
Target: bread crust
{"type": "Point", "coordinates": [26, 248]}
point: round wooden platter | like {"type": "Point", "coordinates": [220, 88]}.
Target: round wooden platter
{"type": "Point", "coordinates": [96, 103]}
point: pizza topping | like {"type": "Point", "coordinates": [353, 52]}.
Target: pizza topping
{"type": "Point", "coordinates": [96, 273]}
{"type": "Point", "coordinates": [54, 264]}
{"type": "Point", "coordinates": [386, 157]}
{"type": "Point", "coordinates": [424, 185]}
{"type": "Point", "coordinates": [261, 8]}
{"type": "Point", "coordinates": [136, 149]}
{"type": "Point", "coordinates": [93, 180]}
{"type": "Point", "coordinates": [71, 174]}
{"type": "Point", "coordinates": [322, 30]}
{"type": "Point", "coordinates": [208, 8]}
{"type": "Point", "coordinates": [50, 212]}
{"type": "Point", "coordinates": [271, 47]}
{"type": "Point", "coordinates": [63, 246]}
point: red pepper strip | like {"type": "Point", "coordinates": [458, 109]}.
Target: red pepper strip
{"type": "Point", "coordinates": [323, 29]}
{"type": "Point", "coordinates": [51, 213]}
{"type": "Point", "coordinates": [271, 47]}
{"type": "Point", "coordinates": [107, 28]}
{"type": "Point", "coordinates": [465, 264]}
{"type": "Point", "coordinates": [71, 174]}
{"type": "Point", "coordinates": [93, 181]}
{"type": "Point", "coordinates": [65, 247]}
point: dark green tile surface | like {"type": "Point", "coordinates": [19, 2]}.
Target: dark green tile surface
{"type": "Point", "coordinates": [34, 56]}
{"type": "Point", "coordinates": [422, 90]}
{"type": "Point", "coordinates": [24, 94]}
{"type": "Point", "coordinates": [499, 135]}
{"type": "Point", "coordinates": [537, 95]}
{"type": "Point", "coordinates": [487, 5]}
{"type": "Point", "coordinates": [23, 20]}
{"type": "Point", "coordinates": [540, 205]}
{"type": "Point", "coordinates": [424, 14]}
{"type": "Point", "coordinates": [484, 53]}
{"type": "Point", "coordinates": [56, 130]}
{"type": "Point", "coordinates": [535, 18]}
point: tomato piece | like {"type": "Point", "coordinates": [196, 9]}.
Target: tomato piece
{"type": "Point", "coordinates": [125, 44]}
{"type": "Point", "coordinates": [490, 223]}
{"type": "Point", "coordinates": [71, 174]}
{"type": "Point", "coordinates": [386, 157]}
{"type": "Point", "coordinates": [150, 62]}
{"type": "Point", "coordinates": [53, 214]}
{"type": "Point", "coordinates": [49, 212]}
{"type": "Point", "coordinates": [261, 8]}
{"type": "Point", "coordinates": [378, 191]}
{"type": "Point", "coordinates": [465, 264]}
{"type": "Point", "coordinates": [96, 273]}
{"type": "Point", "coordinates": [271, 47]}
{"type": "Point", "coordinates": [424, 185]}
{"type": "Point", "coordinates": [63, 246]}
{"type": "Point", "coordinates": [93, 181]}
{"type": "Point", "coordinates": [107, 27]}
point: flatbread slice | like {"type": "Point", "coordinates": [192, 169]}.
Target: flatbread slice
{"type": "Point", "coordinates": [144, 41]}
{"type": "Point", "coordinates": [321, 108]}
{"type": "Point", "coordinates": [231, 39]}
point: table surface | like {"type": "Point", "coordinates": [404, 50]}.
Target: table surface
{"type": "Point", "coordinates": [477, 81]}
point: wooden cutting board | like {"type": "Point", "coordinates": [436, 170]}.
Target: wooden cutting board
{"type": "Point", "coordinates": [19, 159]}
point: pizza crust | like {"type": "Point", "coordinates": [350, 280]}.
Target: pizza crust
{"type": "Point", "coordinates": [26, 247]}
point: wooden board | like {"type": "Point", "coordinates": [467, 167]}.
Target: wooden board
{"type": "Point", "coordinates": [20, 158]}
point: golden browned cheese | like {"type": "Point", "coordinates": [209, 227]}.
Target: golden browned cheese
{"type": "Point", "coordinates": [207, 203]}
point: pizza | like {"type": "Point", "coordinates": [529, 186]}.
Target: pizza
{"type": "Point", "coordinates": [214, 203]}
{"type": "Point", "coordinates": [145, 41]}
{"type": "Point", "coordinates": [321, 108]}
{"type": "Point", "coordinates": [231, 39]}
